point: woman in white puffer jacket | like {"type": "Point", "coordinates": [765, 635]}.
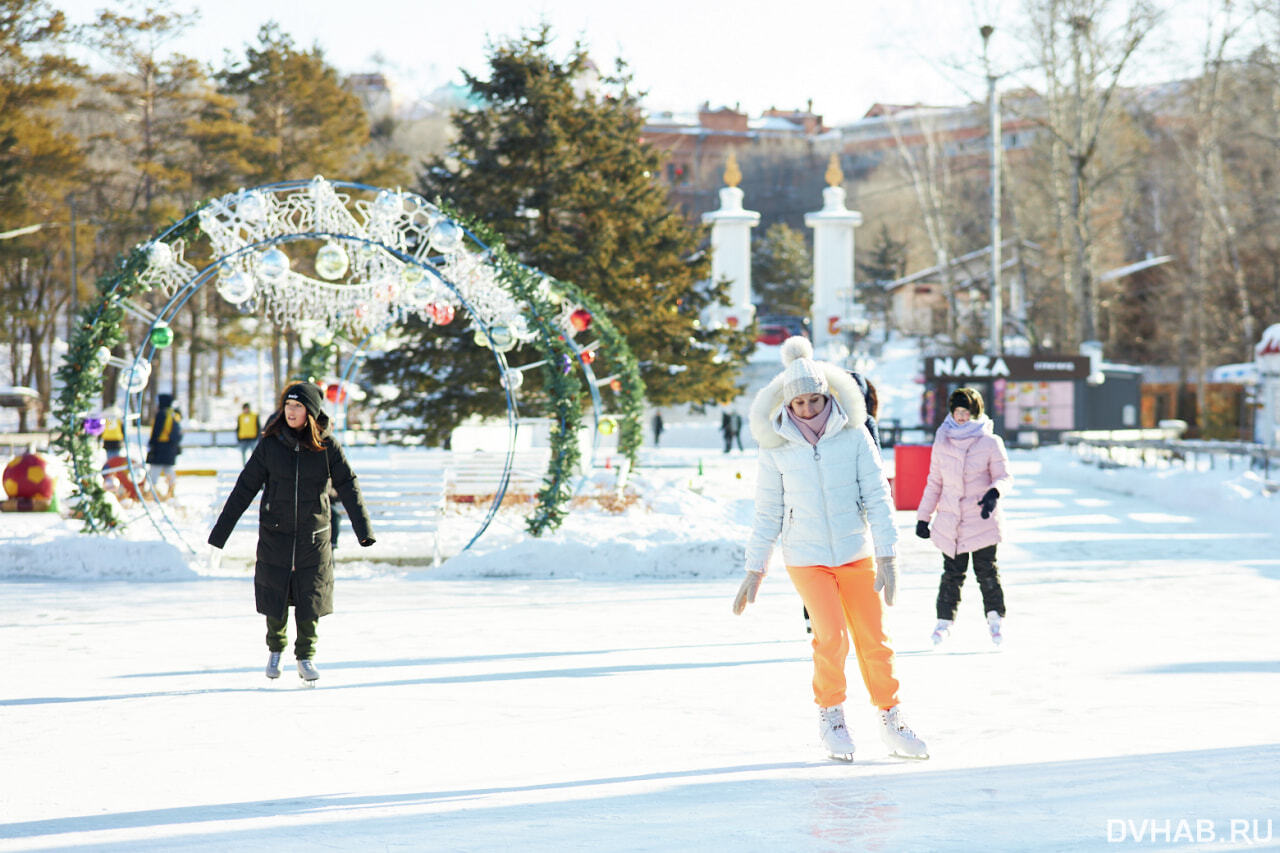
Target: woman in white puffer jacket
{"type": "Point", "coordinates": [821, 486]}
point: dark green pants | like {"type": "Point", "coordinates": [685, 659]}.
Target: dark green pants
{"type": "Point", "coordinates": [278, 635]}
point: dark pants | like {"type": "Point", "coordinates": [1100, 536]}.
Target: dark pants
{"type": "Point", "coordinates": [278, 635]}
{"type": "Point", "coordinates": [984, 569]}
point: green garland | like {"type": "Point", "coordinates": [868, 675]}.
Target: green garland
{"type": "Point", "coordinates": [101, 324]}
{"type": "Point", "coordinates": [525, 284]}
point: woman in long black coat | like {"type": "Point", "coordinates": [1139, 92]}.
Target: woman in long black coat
{"type": "Point", "coordinates": [293, 465]}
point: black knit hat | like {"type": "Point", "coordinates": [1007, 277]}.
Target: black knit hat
{"type": "Point", "coordinates": [308, 394]}
{"type": "Point", "coordinates": [965, 398]}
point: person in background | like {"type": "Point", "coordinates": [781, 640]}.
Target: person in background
{"type": "Point", "coordinates": [248, 427]}
{"type": "Point", "coordinates": [112, 431]}
{"type": "Point", "coordinates": [968, 472]}
{"type": "Point", "coordinates": [295, 461]}
{"type": "Point", "coordinates": [657, 428]}
{"type": "Point", "coordinates": [820, 484]}
{"type": "Point", "coordinates": [731, 429]}
{"type": "Point", "coordinates": [165, 445]}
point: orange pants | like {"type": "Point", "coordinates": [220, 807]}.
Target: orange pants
{"type": "Point", "coordinates": [842, 601]}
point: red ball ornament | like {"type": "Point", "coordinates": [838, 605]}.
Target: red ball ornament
{"type": "Point", "coordinates": [335, 394]}
{"type": "Point", "coordinates": [28, 476]}
{"type": "Point", "coordinates": [616, 385]}
{"type": "Point", "coordinates": [580, 320]}
{"type": "Point", "coordinates": [732, 322]}
{"type": "Point", "coordinates": [588, 356]}
{"type": "Point", "coordinates": [441, 313]}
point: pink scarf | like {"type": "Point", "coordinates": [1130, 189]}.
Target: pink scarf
{"type": "Point", "coordinates": [811, 428]}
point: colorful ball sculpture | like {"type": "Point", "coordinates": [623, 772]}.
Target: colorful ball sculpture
{"type": "Point", "coordinates": [161, 336]}
{"type": "Point", "coordinates": [29, 476]}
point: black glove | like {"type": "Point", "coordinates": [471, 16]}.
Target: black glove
{"type": "Point", "coordinates": [365, 543]}
{"type": "Point", "coordinates": [988, 502]}
{"type": "Point", "coordinates": [922, 529]}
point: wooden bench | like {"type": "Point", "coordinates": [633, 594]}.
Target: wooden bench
{"type": "Point", "coordinates": [475, 477]}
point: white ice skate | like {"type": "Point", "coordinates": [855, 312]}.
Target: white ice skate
{"type": "Point", "coordinates": [273, 665]}
{"type": "Point", "coordinates": [897, 735]}
{"type": "Point", "coordinates": [307, 672]}
{"type": "Point", "coordinates": [941, 631]}
{"type": "Point", "coordinates": [994, 621]}
{"type": "Point", "coordinates": [834, 733]}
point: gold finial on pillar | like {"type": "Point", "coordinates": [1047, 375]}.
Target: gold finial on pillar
{"type": "Point", "coordinates": [835, 177]}
{"type": "Point", "coordinates": [732, 174]}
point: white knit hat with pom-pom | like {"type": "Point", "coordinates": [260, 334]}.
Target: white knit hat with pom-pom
{"type": "Point", "coordinates": [802, 374]}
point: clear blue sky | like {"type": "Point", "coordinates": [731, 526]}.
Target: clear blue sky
{"type": "Point", "coordinates": [844, 54]}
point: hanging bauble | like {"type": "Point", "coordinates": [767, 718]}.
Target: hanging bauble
{"type": "Point", "coordinates": [322, 336]}
{"type": "Point", "coordinates": [161, 335]}
{"type": "Point", "coordinates": [441, 313]}
{"type": "Point", "coordinates": [273, 263]}
{"type": "Point", "coordinates": [251, 207]}
{"type": "Point", "coordinates": [137, 377]}
{"type": "Point", "coordinates": [236, 286]}
{"type": "Point", "coordinates": [616, 385]}
{"type": "Point", "coordinates": [503, 338]}
{"type": "Point", "coordinates": [480, 338]}
{"type": "Point", "coordinates": [445, 237]}
{"type": "Point", "coordinates": [94, 426]}
{"type": "Point", "coordinates": [411, 274]}
{"type": "Point", "coordinates": [159, 254]}
{"type": "Point", "coordinates": [102, 358]}
{"type": "Point", "coordinates": [512, 379]}
{"type": "Point", "coordinates": [334, 393]}
{"type": "Point", "coordinates": [608, 425]}
{"type": "Point", "coordinates": [332, 261]}
{"type": "Point", "coordinates": [587, 356]}
{"type": "Point", "coordinates": [566, 363]}
{"type": "Point", "coordinates": [580, 320]}
{"type": "Point", "coordinates": [387, 203]}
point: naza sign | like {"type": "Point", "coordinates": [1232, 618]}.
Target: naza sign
{"type": "Point", "coordinates": [973, 365]}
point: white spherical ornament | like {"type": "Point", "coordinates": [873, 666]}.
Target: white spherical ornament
{"type": "Point", "coordinates": [137, 377]}
{"type": "Point", "coordinates": [332, 261]}
{"type": "Point", "coordinates": [323, 336]}
{"type": "Point", "coordinates": [412, 274]}
{"type": "Point", "coordinates": [159, 255]}
{"type": "Point", "coordinates": [388, 203]}
{"type": "Point", "coordinates": [446, 237]}
{"type": "Point", "coordinates": [102, 357]}
{"type": "Point", "coordinates": [512, 379]}
{"type": "Point", "coordinates": [480, 338]}
{"type": "Point", "coordinates": [236, 286]}
{"type": "Point", "coordinates": [503, 338]}
{"type": "Point", "coordinates": [273, 263]}
{"type": "Point", "coordinates": [251, 207]}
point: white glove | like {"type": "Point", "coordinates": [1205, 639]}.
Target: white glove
{"type": "Point", "coordinates": [887, 578]}
{"type": "Point", "coordinates": [215, 559]}
{"type": "Point", "coordinates": [747, 592]}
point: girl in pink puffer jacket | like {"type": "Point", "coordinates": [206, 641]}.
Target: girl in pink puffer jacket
{"type": "Point", "coordinates": [968, 472]}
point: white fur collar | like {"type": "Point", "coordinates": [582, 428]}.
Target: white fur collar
{"type": "Point", "coordinates": [769, 400]}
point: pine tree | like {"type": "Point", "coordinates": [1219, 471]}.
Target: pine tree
{"type": "Point", "coordinates": [886, 260]}
{"type": "Point", "coordinates": [554, 162]}
{"type": "Point", "coordinates": [39, 162]}
{"type": "Point", "coordinates": [782, 272]}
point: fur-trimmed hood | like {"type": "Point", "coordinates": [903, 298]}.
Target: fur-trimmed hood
{"type": "Point", "coordinates": [768, 402]}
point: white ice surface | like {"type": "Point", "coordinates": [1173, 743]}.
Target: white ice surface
{"type": "Point", "coordinates": [593, 691]}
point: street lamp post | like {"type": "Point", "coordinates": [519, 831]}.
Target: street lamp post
{"type": "Point", "coordinates": [995, 139]}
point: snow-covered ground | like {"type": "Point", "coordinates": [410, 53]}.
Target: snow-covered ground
{"type": "Point", "coordinates": [592, 690]}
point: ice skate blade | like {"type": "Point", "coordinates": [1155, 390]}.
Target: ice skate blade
{"type": "Point", "coordinates": [305, 683]}
{"type": "Point", "coordinates": [924, 757]}
{"type": "Point", "coordinates": [846, 757]}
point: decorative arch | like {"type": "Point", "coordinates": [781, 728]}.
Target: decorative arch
{"type": "Point", "coordinates": [386, 255]}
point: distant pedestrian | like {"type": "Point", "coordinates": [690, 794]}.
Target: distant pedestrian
{"type": "Point", "coordinates": [248, 427]}
{"type": "Point", "coordinates": [968, 473]}
{"type": "Point", "coordinates": [731, 429]}
{"type": "Point", "coordinates": [112, 431]}
{"type": "Point", "coordinates": [165, 445]}
{"type": "Point", "coordinates": [821, 486]}
{"type": "Point", "coordinates": [295, 461]}
{"type": "Point", "coordinates": [657, 428]}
